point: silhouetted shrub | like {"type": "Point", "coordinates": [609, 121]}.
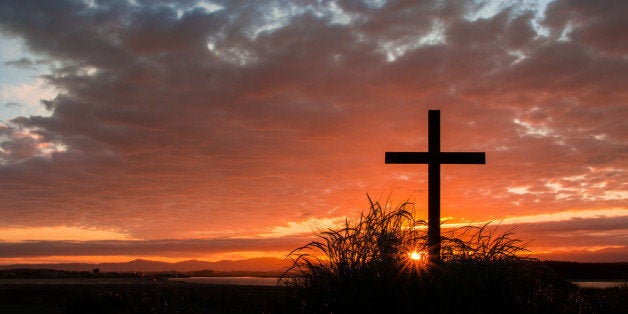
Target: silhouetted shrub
{"type": "Point", "coordinates": [368, 266]}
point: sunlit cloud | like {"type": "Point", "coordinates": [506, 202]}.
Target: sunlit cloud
{"type": "Point", "coordinates": [58, 233]}
{"type": "Point", "coordinates": [310, 226]}
{"type": "Point", "coordinates": [19, 144]}
{"type": "Point", "coordinates": [549, 217]}
{"type": "Point", "coordinates": [518, 190]}
{"type": "Point", "coordinates": [532, 130]}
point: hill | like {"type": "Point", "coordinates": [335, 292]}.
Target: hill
{"type": "Point", "coordinates": [262, 264]}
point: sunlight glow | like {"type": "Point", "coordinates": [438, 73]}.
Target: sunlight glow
{"type": "Point", "coordinates": [417, 256]}
{"type": "Point", "coordinates": [304, 227]}
{"type": "Point", "coordinates": [550, 217]}
{"type": "Point", "coordinates": [59, 233]}
{"type": "Point", "coordinates": [416, 262]}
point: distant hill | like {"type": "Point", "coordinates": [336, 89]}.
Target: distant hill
{"type": "Point", "coordinates": [262, 264]}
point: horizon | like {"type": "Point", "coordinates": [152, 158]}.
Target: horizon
{"type": "Point", "coordinates": [270, 262]}
{"type": "Point", "coordinates": [215, 130]}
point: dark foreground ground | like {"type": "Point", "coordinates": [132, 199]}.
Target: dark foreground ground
{"type": "Point", "coordinates": [134, 296]}
{"type": "Point", "coordinates": [143, 297]}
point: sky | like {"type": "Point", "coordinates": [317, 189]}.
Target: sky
{"type": "Point", "coordinates": [174, 130]}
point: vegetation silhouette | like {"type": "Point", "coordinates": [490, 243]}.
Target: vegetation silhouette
{"type": "Point", "coordinates": [376, 264]}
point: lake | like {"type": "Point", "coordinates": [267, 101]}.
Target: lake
{"type": "Point", "coordinates": [240, 281]}
{"type": "Point", "coordinates": [272, 281]}
{"type": "Point", "coordinates": [237, 281]}
{"type": "Point", "coordinates": [598, 284]}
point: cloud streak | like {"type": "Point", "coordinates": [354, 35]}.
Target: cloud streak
{"type": "Point", "coordinates": [576, 234]}
{"type": "Point", "coordinates": [164, 247]}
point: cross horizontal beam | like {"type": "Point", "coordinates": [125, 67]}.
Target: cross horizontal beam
{"type": "Point", "coordinates": [434, 158]}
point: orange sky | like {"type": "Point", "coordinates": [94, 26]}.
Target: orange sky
{"type": "Point", "coordinates": [226, 129]}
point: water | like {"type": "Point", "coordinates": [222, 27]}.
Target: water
{"type": "Point", "coordinates": [598, 284]}
{"type": "Point", "coordinates": [248, 281]}
{"type": "Point", "coordinates": [259, 281]}
{"type": "Point", "coordinates": [251, 281]}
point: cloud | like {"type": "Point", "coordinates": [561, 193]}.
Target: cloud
{"type": "Point", "coordinates": [598, 24]}
{"type": "Point", "coordinates": [611, 254]}
{"type": "Point", "coordinates": [572, 237]}
{"type": "Point", "coordinates": [11, 104]}
{"type": "Point", "coordinates": [562, 233]}
{"type": "Point", "coordinates": [593, 232]}
{"type": "Point", "coordinates": [26, 97]}
{"type": "Point", "coordinates": [173, 120]}
{"type": "Point", "coordinates": [22, 63]}
{"type": "Point", "coordinates": [165, 247]}
{"type": "Point", "coordinates": [23, 144]}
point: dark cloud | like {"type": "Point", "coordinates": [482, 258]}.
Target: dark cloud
{"type": "Point", "coordinates": [167, 248]}
{"type": "Point", "coordinates": [174, 120]}
{"type": "Point", "coordinates": [600, 25]}
{"type": "Point", "coordinates": [575, 232]}
{"type": "Point", "coordinates": [23, 63]}
{"type": "Point", "coordinates": [586, 256]}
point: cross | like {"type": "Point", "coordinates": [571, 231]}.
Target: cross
{"type": "Point", "coordinates": [434, 158]}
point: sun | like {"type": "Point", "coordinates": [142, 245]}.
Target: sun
{"type": "Point", "coordinates": [417, 256]}
{"type": "Point", "coordinates": [415, 262]}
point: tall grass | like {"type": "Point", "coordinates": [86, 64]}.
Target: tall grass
{"type": "Point", "coordinates": [366, 266]}
{"type": "Point", "coordinates": [371, 244]}
{"type": "Point", "coordinates": [482, 244]}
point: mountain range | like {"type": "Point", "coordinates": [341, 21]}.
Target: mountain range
{"type": "Point", "coordinates": [262, 264]}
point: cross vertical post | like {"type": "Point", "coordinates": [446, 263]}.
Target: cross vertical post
{"type": "Point", "coordinates": [434, 158]}
{"type": "Point", "coordinates": [433, 187]}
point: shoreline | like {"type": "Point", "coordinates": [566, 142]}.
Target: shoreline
{"type": "Point", "coordinates": [221, 281]}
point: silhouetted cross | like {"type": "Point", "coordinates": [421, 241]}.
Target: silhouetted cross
{"type": "Point", "coordinates": [434, 158]}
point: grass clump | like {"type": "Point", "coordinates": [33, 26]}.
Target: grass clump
{"type": "Point", "coordinates": [359, 261]}
{"type": "Point", "coordinates": [376, 264]}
